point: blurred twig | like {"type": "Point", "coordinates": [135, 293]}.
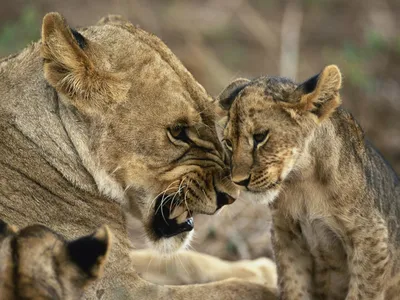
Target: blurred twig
{"type": "Point", "coordinates": [209, 59]}
{"type": "Point", "coordinates": [259, 28]}
{"type": "Point", "coordinates": [290, 39]}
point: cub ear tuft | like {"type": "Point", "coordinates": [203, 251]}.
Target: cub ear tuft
{"type": "Point", "coordinates": [89, 253]}
{"type": "Point", "coordinates": [228, 95]}
{"type": "Point", "coordinates": [320, 94]}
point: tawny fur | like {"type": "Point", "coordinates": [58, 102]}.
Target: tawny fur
{"type": "Point", "coordinates": [84, 139]}
{"type": "Point", "coordinates": [335, 201]}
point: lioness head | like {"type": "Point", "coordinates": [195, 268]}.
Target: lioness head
{"type": "Point", "coordinates": [143, 127]}
{"type": "Point", "coordinates": [37, 263]}
{"type": "Point", "coordinates": [269, 123]}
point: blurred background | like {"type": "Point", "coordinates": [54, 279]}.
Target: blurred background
{"type": "Point", "coordinates": [219, 40]}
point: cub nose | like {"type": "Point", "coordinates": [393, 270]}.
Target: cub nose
{"type": "Point", "coordinates": [244, 182]}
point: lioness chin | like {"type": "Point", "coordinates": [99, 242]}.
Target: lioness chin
{"type": "Point", "coordinates": [335, 201]}
{"type": "Point", "coordinates": [105, 121]}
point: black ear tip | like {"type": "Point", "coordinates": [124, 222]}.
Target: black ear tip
{"type": "Point", "coordinates": [6, 229]}
{"type": "Point", "coordinates": [229, 94]}
{"type": "Point", "coordinates": [79, 38]}
{"type": "Point", "coordinates": [3, 227]}
{"type": "Point", "coordinates": [87, 252]}
{"type": "Point", "coordinates": [309, 85]}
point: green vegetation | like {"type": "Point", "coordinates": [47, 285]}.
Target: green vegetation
{"type": "Point", "coordinates": [16, 35]}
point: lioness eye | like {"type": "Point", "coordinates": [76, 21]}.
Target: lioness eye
{"type": "Point", "coordinates": [228, 144]}
{"type": "Point", "coordinates": [260, 137]}
{"type": "Point", "coordinates": [178, 132]}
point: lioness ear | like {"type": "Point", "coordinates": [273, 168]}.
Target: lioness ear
{"type": "Point", "coordinates": [68, 67]}
{"type": "Point", "coordinates": [89, 253]}
{"type": "Point", "coordinates": [320, 93]}
{"type": "Point", "coordinates": [229, 94]}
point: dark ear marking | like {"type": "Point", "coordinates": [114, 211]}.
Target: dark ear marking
{"type": "Point", "coordinates": [309, 85]}
{"type": "Point", "coordinates": [229, 94]}
{"type": "Point", "coordinates": [89, 252]}
{"type": "Point", "coordinates": [85, 252]}
{"type": "Point", "coordinates": [229, 100]}
{"type": "Point", "coordinates": [6, 230]}
{"type": "Point", "coordinates": [79, 38]}
{"type": "Point", "coordinates": [3, 227]}
{"type": "Point", "coordinates": [319, 95]}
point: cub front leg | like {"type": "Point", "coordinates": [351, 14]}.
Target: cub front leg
{"type": "Point", "coordinates": [294, 262]}
{"type": "Point", "coordinates": [369, 257]}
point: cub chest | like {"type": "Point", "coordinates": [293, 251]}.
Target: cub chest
{"type": "Point", "coordinates": [329, 268]}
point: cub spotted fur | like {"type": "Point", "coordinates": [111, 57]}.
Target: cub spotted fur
{"type": "Point", "coordinates": [37, 263]}
{"type": "Point", "coordinates": [335, 201]}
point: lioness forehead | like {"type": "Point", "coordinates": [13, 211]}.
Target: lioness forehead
{"type": "Point", "coordinates": [163, 85]}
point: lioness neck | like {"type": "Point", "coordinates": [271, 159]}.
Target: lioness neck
{"type": "Point", "coordinates": [26, 112]}
{"type": "Point", "coordinates": [38, 157]}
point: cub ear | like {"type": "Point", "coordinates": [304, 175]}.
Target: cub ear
{"type": "Point", "coordinates": [320, 93]}
{"type": "Point", "coordinates": [6, 230]}
{"type": "Point", "coordinates": [70, 70]}
{"type": "Point", "coordinates": [89, 253]}
{"type": "Point", "coordinates": [229, 94]}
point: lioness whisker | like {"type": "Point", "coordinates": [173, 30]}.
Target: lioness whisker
{"type": "Point", "coordinates": [184, 198]}
{"type": "Point", "coordinates": [115, 170]}
{"type": "Point", "coordinates": [155, 198]}
{"type": "Point", "coordinates": [176, 193]}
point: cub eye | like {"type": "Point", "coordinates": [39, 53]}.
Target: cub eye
{"type": "Point", "coordinates": [228, 144]}
{"type": "Point", "coordinates": [178, 132]}
{"type": "Point", "coordinates": [260, 138]}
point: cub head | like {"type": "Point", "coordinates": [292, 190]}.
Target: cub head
{"type": "Point", "coordinates": [269, 122]}
{"type": "Point", "coordinates": [37, 263]}
{"type": "Point", "coordinates": [142, 126]}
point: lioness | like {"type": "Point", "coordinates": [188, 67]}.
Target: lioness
{"type": "Point", "coordinates": [335, 201]}
{"type": "Point", "coordinates": [105, 121]}
{"type": "Point", "coordinates": [37, 263]}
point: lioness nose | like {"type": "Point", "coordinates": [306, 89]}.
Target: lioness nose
{"type": "Point", "coordinates": [244, 182]}
{"type": "Point", "coordinates": [224, 199]}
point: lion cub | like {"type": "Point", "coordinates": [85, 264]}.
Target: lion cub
{"type": "Point", "coordinates": [37, 263]}
{"type": "Point", "coordinates": [335, 201]}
